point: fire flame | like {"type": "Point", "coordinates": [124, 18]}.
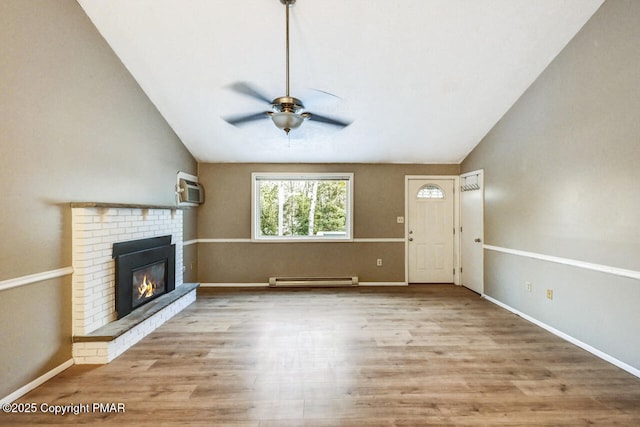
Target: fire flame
{"type": "Point", "coordinates": [146, 288]}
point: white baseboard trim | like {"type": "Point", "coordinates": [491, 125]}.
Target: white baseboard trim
{"type": "Point", "coordinates": [34, 278]}
{"type": "Point", "coordinates": [35, 383]}
{"type": "Point", "coordinates": [623, 272]}
{"type": "Point", "coordinates": [383, 284]}
{"type": "Point", "coordinates": [266, 285]}
{"type": "Point", "coordinates": [234, 285]}
{"type": "Point", "coordinates": [602, 355]}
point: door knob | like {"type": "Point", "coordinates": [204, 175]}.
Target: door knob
{"type": "Point", "coordinates": [411, 239]}
{"type": "Point", "coordinates": [477, 240]}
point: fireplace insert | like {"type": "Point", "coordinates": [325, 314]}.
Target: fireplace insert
{"type": "Point", "coordinates": [145, 270]}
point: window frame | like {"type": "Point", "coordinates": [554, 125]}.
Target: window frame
{"type": "Point", "coordinates": [255, 205]}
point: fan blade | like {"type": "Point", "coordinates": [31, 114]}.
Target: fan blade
{"type": "Point", "coordinates": [239, 120]}
{"type": "Point", "coordinates": [325, 93]}
{"type": "Point", "coordinates": [328, 120]}
{"type": "Point", "coordinates": [248, 90]}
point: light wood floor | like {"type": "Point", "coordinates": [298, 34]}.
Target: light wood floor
{"type": "Point", "coordinates": [421, 355]}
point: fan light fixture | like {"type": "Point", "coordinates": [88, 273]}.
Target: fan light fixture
{"type": "Point", "coordinates": [286, 112]}
{"type": "Point", "coordinates": [287, 120]}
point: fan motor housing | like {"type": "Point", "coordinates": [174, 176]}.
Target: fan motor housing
{"type": "Point", "coordinates": [287, 103]}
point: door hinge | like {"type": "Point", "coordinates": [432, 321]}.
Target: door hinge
{"type": "Point", "coordinates": [454, 231]}
{"type": "Point", "coordinates": [454, 271]}
{"type": "Point", "coordinates": [460, 269]}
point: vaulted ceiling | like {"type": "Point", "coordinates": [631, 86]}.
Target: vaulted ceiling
{"type": "Point", "coordinates": [422, 81]}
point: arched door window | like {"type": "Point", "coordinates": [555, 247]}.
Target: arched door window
{"type": "Point", "coordinates": [430, 191]}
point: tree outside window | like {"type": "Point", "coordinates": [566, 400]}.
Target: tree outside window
{"type": "Point", "coordinates": [302, 206]}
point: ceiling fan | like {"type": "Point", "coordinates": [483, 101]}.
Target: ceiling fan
{"type": "Point", "coordinates": [286, 112]}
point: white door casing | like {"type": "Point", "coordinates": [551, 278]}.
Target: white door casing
{"type": "Point", "coordinates": [430, 230]}
{"type": "Point", "coordinates": [472, 230]}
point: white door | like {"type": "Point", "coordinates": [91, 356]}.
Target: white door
{"type": "Point", "coordinates": [472, 236]}
{"type": "Point", "coordinates": [430, 230]}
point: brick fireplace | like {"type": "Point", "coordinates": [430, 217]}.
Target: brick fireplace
{"type": "Point", "coordinates": [96, 228]}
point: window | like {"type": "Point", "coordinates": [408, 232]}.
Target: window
{"type": "Point", "coordinates": [430, 191]}
{"type": "Point", "coordinates": [302, 206]}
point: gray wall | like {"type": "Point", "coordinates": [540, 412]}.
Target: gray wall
{"type": "Point", "coordinates": [562, 179]}
{"type": "Point", "coordinates": [75, 127]}
{"type": "Point", "coordinates": [378, 201]}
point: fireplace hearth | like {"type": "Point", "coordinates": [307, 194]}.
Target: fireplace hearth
{"type": "Point", "coordinates": [145, 270]}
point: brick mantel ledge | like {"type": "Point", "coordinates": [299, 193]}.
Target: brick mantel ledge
{"type": "Point", "coordinates": [123, 205]}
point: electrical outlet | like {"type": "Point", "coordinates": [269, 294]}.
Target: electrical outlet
{"type": "Point", "coordinates": [379, 262]}
{"type": "Point", "coordinates": [529, 287]}
{"type": "Point", "coordinates": [549, 293]}
{"type": "Point", "coordinates": [400, 220]}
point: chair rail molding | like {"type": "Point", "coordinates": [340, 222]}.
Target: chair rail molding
{"type": "Point", "coordinates": [623, 272]}
{"type": "Point", "coordinates": [34, 278]}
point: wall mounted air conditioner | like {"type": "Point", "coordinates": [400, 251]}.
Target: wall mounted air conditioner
{"type": "Point", "coordinates": [189, 191]}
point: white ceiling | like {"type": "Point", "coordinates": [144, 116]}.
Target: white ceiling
{"type": "Point", "coordinates": [422, 80]}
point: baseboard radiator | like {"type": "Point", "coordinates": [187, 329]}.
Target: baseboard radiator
{"type": "Point", "coordinates": [293, 282]}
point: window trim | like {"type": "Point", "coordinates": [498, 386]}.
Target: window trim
{"type": "Point", "coordinates": [255, 205]}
